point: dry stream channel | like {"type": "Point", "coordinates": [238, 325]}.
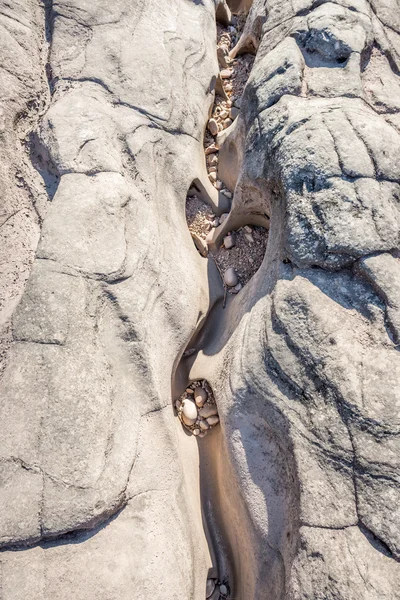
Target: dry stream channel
{"type": "Point", "coordinates": [237, 259]}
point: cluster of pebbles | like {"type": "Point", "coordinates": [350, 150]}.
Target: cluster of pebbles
{"type": "Point", "coordinates": [242, 251]}
{"type": "Point", "coordinates": [197, 409]}
{"type": "Point", "coordinates": [215, 590]}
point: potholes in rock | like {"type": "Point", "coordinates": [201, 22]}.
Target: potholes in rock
{"type": "Point", "coordinates": [242, 250]}
{"type": "Point", "coordinates": [197, 409]}
{"type": "Point", "coordinates": [234, 75]}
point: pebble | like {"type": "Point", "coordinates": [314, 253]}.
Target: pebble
{"type": "Point", "coordinates": [211, 149]}
{"type": "Point", "coordinates": [213, 126]}
{"type": "Point", "coordinates": [189, 412]}
{"type": "Point", "coordinates": [247, 229]}
{"type": "Point", "coordinates": [236, 289]}
{"type": "Point", "coordinates": [178, 404]}
{"type": "Point", "coordinates": [223, 216]}
{"type": "Point", "coordinates": [200, 396]}
{"type": "Point", "coordinates": [204, 425]}
{"type": "Point", "coordinates": [214, 160]}
{"type": "Point", "coordinates": [208, 411]}
{"type": "Point", "coordinates": [230, 277]}
{"type": "Point", "coordinates": [227, 193]}
{"type": "Point", "coordinates": [238, 102]}
{"type": "Point", "coordinates": [196, 432]}
{"type": "Point", "coordinates": [202, 434]}
{"type": "Point", "coordinates": [210, 587]}
{"type": "Point", "coordinates": [249, 238]}
{"type": "Point", "coordinates": [223, 590]}
{"type": "Point", "coordinates": [213, 420]}
{"type": "Point", "coordinates": [227, 123]}
{"type": "Point", "coordinates": [226, 73]}
{"type": "Point", "coordinates": [215, 223]}
{"type": "Point", "coordinates": [218, 185]}
{"type": "Point", "coordinates": [224, 114]}
{"type": "Point", "coordinates": [212, 169]}
{"type": "Point", "coordinates": [233, 113]}
{"type": "Point", "coordinates": [189, 391]}
{"type": "Point", "coordinates": [229, 242]}
{"type": "Point", "coordinates": [228, 88]}
{"type": "Point", "coordinates": [212, 176]}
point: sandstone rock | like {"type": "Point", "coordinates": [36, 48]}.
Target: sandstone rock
{"type": "Point", "coordinates": [98, 150]}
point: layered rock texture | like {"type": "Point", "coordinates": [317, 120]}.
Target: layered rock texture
{"type": "Point", "coordinates": [112, 312]}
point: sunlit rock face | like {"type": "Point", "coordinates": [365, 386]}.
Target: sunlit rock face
{"type": "Point", "coordinates": [112, 312]}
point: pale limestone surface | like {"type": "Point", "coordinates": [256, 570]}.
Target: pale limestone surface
{"type": "Point", "coordinates": [296, 495]}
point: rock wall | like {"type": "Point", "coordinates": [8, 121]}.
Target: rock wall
{"type": "Point", "coordinates": [296, 494]}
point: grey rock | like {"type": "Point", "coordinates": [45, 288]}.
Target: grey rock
{"type": "Point", "coordinates": [230, 277]}
{"type": "Point", "coordinates": [229, 242]}
{"type": "Point", "coordinates": [97, 311]}
{"type": "Point", "coordinates": [200, 396]}
{"type": "Point", "coordinates": [213, 126]}
{"type": "Point", "coordinates": [208, 411]}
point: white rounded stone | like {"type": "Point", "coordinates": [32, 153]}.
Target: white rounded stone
{"type": "Point", "coordinates": [189, 412]}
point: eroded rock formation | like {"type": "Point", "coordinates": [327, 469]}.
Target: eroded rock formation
{"type": "Point", "coordinates": [296, 493]}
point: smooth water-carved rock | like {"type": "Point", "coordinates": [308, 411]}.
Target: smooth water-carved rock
{"type": "Point", "coordinates": [292, 490]}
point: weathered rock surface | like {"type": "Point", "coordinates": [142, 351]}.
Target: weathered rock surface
{"type": "Point", "coordinates": [104, 113]}
{"type": "Point", "coordinates": [309, 399]}
{"type": "Point", "coordinates": [108, 307]}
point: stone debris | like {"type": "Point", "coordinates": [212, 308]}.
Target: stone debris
{"type": "Point", "coordinates": [240, 251]}
{"type": "Point", "coordinates": [215, 590]}
{"type": "Point", "coordinates": [197, 409]}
